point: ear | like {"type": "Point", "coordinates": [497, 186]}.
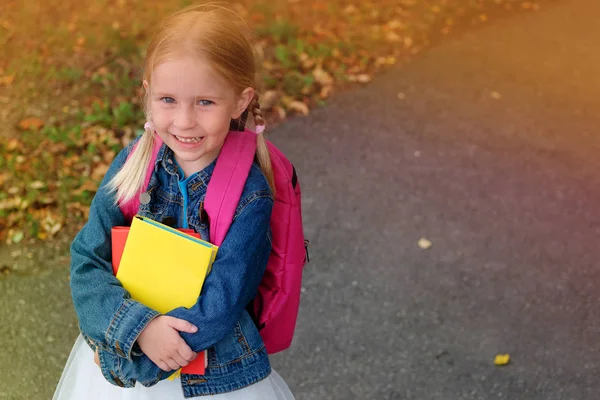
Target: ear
{"type": "Point", "coordinates": [243, 101]}
{"type": "Point", "coordinates": [145, 85]}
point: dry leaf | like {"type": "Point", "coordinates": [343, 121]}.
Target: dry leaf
{"type": "Point", "coordinates": [88, 185]}
{"type": "Point", "coordinates": [7, 80]}
{"type": "Point", "coordinates": [424, 243]}
{"type": "Point", "coordinates": [17, 237]}
{"type": "Point", "coordinates": [280, 112]}
{"type": "Point", "coordinates": [502, 359]}
{"type": "Point", "coordinates": [325, 92]}
{"type": "Point", "coordinates": [396, 24]}
{"type": "Point", "coordinates": [51, 225]}
{"type": "Point", "coordinates": [393, 37]}
{"type": "Point", "coordinates": [37, 185]}
{"type": "Point", "coordinates": [13, 144]}
{"type": "Point", "coordinates": [298, 107]}
{"type": "Point", "coordinates": [363, 78]}
{"type": "Point", "coordinates": [322, 76]}
{"type": "Point", "coordinates": [31, 123]}
{"type": "Point", "coordinates": [268, 99]}
{"type": "Point", "coordinates": [9, 204]}
{"type": "Point", "coordinates": [351, 9]}
{"type": "Point", "coordinates": [100, 171]}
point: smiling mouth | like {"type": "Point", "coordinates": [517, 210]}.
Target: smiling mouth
{"type": "Point", "coordinates": [189, 139]}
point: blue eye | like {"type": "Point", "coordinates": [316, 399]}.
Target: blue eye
{"type": "Point", "coordinates": [168, 100]}
{"type": "Point", "coordinates": [205, 102]}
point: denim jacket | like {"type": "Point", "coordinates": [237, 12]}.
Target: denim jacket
{"type": "Point", "coordinates": [110, 321]}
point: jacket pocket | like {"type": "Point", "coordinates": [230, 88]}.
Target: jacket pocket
{"type": "Point", "coordinates": [243, 341]}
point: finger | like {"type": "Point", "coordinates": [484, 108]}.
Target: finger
{"type": "Point", "coordinates": [173, 364]}
{"type": "Point", "coordinates": [182, 325]}
{"type": "Point", "coordinates": [163, 365]}
{"type": "Point", "coordinates": [187, 353]}
{"type": "Point", "coordinates": [180, 360]}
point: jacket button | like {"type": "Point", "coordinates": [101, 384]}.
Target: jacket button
{"type": "Point", "coordinates": [144, 198]}
{"type": "Point", "coordinates": [117, 381]}
{"type": "Point", "coordinates": [202, 213]}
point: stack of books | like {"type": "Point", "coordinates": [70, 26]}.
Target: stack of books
{"type": "Point", "coordinates": [163, 268]}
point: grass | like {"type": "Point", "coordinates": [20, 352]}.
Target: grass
{"type": "Point", "coordinates": [70, 81]}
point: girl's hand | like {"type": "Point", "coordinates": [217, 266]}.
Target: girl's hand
{"type": "Point", "coordinates": [161, 342]}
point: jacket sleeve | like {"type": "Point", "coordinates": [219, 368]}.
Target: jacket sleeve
{"type": "Point", "coordinates": [107, 315]}
{"type": "Point", "coordinates": [236, 273]}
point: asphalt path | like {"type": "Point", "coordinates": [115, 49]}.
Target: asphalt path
{"type": "Point", "coordinates": [491, 152]}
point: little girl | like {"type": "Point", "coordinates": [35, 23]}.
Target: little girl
{"type": "Point", "coordinates": [199, 80]}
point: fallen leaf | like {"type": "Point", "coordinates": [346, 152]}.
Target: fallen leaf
{"type": "Point", "coordinates": [424, 243]}
{"type": "Point", "coordinates": [364, 78]}
{"type": "Point", "coordinates": [351, 9]}
{"type": "Point", "coordinates": [13, 144]}
{"type": "Point", "coordinates": [37, 185]}
{"type": "Point", "coordinates": [51, 225]}
{"type": "Point", "coordinates": [326, 92]}
{"type": "Point", "coordinates": [33, 123]}
{"type": "Point", "coordinates": [502, 359]}
{"type": "Point", "coordinates": [9, 204]}
{"type": "Point", "coordinates": [322, 76]}
{"type": "Point", "coordinates": [268, 99]}
{"type": "Point", "coordinates": [396, 24]}
{"type": "Point", "coordinates": [280, 112]}
{"type": "Point", "coordinates": [100, 171]}
{"type": "Point", "coordinates": [88, 185]}
{"type": "Point", "coordinates": [298, 107]}
{"type": "Point", "coordinates": [7, 80]}
{"type": "Point", "coordinates": [393, 37]}
{"type": "Point", "coordinates": [17, 237]}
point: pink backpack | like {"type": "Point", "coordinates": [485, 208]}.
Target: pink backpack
{"type": "Point", "coordinates": [276, 304]}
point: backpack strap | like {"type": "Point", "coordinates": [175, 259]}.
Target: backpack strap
{"type": "Point", "coordinates": [227, 182]}
{"type": "Point", "coordinates": [131, 207]}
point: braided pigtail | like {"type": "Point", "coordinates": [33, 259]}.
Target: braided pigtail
{"type": "Point", "coordinates": [262, 149]}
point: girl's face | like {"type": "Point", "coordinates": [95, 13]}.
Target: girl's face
{"type": "Point", "coordinates": [191, 107]}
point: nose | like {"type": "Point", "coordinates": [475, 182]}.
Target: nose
{"type": "Point", "coordinates": [185, 118]}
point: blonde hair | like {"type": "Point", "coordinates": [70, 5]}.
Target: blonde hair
{"type": "Point", "coordinates": [212, 32]}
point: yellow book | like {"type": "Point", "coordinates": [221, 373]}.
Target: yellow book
{"type": "Point", "coordinates": [162, 267]}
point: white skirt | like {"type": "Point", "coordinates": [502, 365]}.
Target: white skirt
{"type": "Point", "coordinates": [82, 380]}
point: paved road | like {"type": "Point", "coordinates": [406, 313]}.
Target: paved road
{"type": "Point", "coordinates": [505, 187]}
